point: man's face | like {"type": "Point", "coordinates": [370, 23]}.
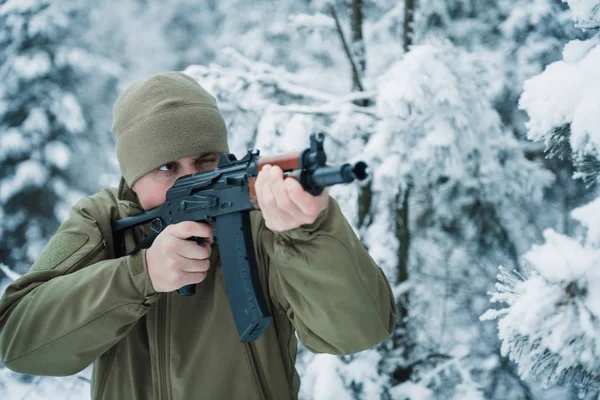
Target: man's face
{"type": "Point", "coordinates": [152, 188]}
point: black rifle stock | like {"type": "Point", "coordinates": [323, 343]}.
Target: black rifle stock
{"type": "Point", "coordinates": [224, 198]}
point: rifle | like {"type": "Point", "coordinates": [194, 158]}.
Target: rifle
{"type": "Point", "coordinates": [224, 198]}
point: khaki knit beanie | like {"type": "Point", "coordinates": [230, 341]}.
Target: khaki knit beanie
{"type": "Point", "coordinates": [163, 118]}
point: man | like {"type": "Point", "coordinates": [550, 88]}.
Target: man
{"type": "Point", "coordinates": [82, 303]}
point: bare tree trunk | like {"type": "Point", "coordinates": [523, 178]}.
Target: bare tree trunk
{"type": "Point", "coordinates": [403, 342]}
{"type": "Point", "coordinates": [358, 63]}
{"type": "Point", "coordinates": [357, 44]}
{"type": "Point", "coordinates": [407, 32]}
{"type": "Point", "coordinates": [356, 81]}
{"type": "Point", "coordinates": [365, 197]}
{"type": "Point", "coordinates": [403, 236]}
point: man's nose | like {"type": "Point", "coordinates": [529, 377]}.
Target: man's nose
{"type": "Point", "coordinates": [189, 169]}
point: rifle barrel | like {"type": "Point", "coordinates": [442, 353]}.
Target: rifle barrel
{"type": "Point", "coordinates": [346, 173]}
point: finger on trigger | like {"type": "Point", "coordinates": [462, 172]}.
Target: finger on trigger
{"type": "Point", "coordinates": [189, 249]}
{"type": "Point", "coordinates": [188, 229]}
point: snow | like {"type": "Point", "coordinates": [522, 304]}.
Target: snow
{"type": "Point", "coordinates": [10, 274]}
{"type": "Point", "coordinates": [570, 265]}
{"type": "Point", "coordinates": [57, 154]}
{"type": "Point", "coordinates": [44, 387]}
{"type": "Point", "coordinates": [322, 382]}
{"type": "Point", "coordinates": [13, 6]}
{"type": "Point", "coordinates": [315, 21]}
{"type": "Point", "coordinates": [86, 61]}
{"type": "Point", "coordinates": [411, 391]}
{"type": "Point", "coordinates": [588, 217]}
{"type": "Point", "coordinates": [533, 15]}
{"type": "Point", "coordinates": [37, 121]}
{"type": "Point", "coordinates": [12, 141]}
{"type": "Point", "coordinates": [576, 50]}
{"type": "Point", "coordinates": [68, 112]}
{"type": "Point", "coordinates": [586, 13]}
{"type": "Point", "coordinates": [53, 17]}
{"type": "Point", "coordinates": [327, 377]}
{"type": "Point", "coordinates": [28, 173]}
{"type": "Point", "coordinates": [32, 66]}
{"type": "Point", "coordinates": [565, 94]}
{"type": "Point", "coordinates": [467, 391]}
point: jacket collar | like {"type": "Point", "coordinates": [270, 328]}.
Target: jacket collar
{"type": "Point", "coordinates": [125, 193]}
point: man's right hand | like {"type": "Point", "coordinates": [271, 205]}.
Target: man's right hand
{"type": "Point", "coordinates": [173, 261]}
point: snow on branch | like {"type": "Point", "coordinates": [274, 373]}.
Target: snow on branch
{"type": "Point", "coordinates": [9, 57]}
{"type": "Point", "coordinates": [419, 388]}
{"type": "Point", "coordinates": [562, 104]}
{"type": "Point", "coordinates": [248, 77]}
{"type": "Point", "coordinates": [550, 324]}
{"type": "Point", "coordinates": [403, 289]}
{"type": "Point", "coordinates": [10, 274]}
{"type": "Point", "coordinates": [312, 22]}
{"type": "Point", "coordinates": [586, 13]}
{"type": "Point", "coordinates": [332, 107]}
{"type": "Point", "coordinates": [285, 81]}
{"type": "Point", "coordinates": [245, 72]}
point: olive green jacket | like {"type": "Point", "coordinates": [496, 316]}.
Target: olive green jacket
{"type": "Point", "coordinates": [79, 304]}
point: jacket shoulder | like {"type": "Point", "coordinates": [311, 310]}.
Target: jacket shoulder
{"type": "Point", "coordinates": [106, 204]}
{"type": "Point", "coordinates": [86, 231]}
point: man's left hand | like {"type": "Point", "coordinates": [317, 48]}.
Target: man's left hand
{"type": "Point", "coordinates": [284, 203]}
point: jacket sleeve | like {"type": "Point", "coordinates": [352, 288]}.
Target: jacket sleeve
{"type": "Point", "coordinates": [73, 304]}
{"type": "Point", "coordinates": [334, 294]}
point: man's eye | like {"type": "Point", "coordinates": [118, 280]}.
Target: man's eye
{"type": "Point", "coordinates": [166, 167]}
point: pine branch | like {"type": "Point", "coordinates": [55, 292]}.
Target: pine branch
{"type": "Point", "coordinates": [587, 164]}
{"type": "Point", "coordinates": [588, 168]}
{"type": "Point", "coordinates": [265, 70]}
{"type": "Point", "coordinates": [548, 367]}
{"type": "Point", "coordinates": [448, 363]}
{"type": "Point", "coordinates": [324, 109]}
{"type": "Point", "coordinates": [591, 21]}
{"type": "Point", "coordinates": [558, 143]}
{"type": "Point", "coordinates": [261, 74]}
{"type": "Point", "coordinates": [333, 106]}
{"type": "Point", "coordinates": [530, 350]}
{"type": "Point", "coordinates": [10, 53]}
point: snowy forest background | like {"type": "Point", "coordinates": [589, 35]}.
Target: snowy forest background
{"type": "Point", "coordinates": [479, 119]}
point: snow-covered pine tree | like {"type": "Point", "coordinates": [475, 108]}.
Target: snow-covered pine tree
{"type": "Point", "coordinates": [533, 35]}
{"type": "Point", "coordinates": [42, 67]}
{"type": "Point", "coordinates": [549, 320]}
{"type": "Point", "coordinates": [511, 41]}
{"type": "Point", "coordinates": [450, 176]}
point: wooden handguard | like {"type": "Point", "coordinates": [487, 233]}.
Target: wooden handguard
{"type": "Point", "coordinates": [287, 162]}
